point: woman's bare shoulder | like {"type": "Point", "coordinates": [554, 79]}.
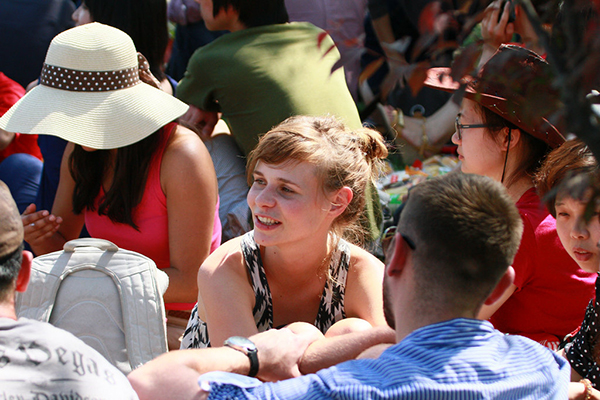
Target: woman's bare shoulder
{"type": "Point", "coordinates": [362, 259]}
{"type": "Point", "coordinates": [184, 140]}
{"type": "Point", "coordinates": [226, 259]}
{"type": "Point", "coordinates": [186, 157]}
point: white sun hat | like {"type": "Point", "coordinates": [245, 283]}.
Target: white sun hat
{"type": "Point", "coordinates": [91, 94]}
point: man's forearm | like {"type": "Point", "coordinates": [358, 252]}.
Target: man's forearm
{"type": "Point", "coordinates": [383, 30]}
{"type": "Point", "coordinates": [175, 374]}
{"type": "Point", "coordinates": [333, 350]}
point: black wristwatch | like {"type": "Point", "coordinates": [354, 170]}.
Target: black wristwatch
{"type": "Point", "coordinates": [247, 347]}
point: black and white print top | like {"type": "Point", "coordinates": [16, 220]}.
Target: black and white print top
{"type": "Point", "coordinates": [580, 352]}
{"type": "Point", "coordinates": [331, 307]}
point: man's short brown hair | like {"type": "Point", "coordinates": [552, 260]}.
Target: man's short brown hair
{"type": "Point", "coordinates": [467, 230]}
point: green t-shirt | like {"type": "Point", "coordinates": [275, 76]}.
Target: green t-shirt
{"type": "Point", "coordinates": [258, 77]}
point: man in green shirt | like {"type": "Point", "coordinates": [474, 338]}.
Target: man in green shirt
{"type": "Point", "coordinates": [263, 72]}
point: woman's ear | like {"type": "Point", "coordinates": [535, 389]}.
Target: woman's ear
{"type": "Point", "coordinates": [340, 201]}
{"type": "Point", "coordinates": [510, 138]}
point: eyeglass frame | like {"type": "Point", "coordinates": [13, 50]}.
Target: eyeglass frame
{"type": "Point", "coordinates": [387, 238]}
{"type": "Point", "coordinates": [458, 127]}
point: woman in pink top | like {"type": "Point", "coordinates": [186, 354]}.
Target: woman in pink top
{"type": "Point", "coordinates": [129, 173]}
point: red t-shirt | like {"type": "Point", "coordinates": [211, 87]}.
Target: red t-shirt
{"type": "Point", "coordinates": [10, 93]}
{"type": "Point", "coordinates": [552, 291]}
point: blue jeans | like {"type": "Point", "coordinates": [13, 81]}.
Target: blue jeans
{"type": "Point", "coordinates": [22, 173]}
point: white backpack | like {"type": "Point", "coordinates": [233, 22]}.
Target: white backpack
{"type": "Point", "coordinates": [108, 297]}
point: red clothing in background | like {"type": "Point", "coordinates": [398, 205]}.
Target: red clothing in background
{"type": "Point", "coordinates": [10, 93]}
{"type": "Point", "coordinates": [552, 291]}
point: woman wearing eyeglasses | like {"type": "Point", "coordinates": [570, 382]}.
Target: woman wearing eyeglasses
{"type": "Point", "coordinates": [503, 131]}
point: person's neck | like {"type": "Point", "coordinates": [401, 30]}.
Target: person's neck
{"type": "Point", "coordinates": [518, 188]}
{"type": "Point", "coordinates": [417, 320]}
{"type": "Point", "coordinates": [236, 26]}
{"type": "Point", "coordinates": [7, 310]}
{"type": "Point", "coordinates": [412, 311]}
{"type": "Point", "coordinates": [294, 262]}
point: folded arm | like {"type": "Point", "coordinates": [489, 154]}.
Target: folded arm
{"type": "Point", "coordinates": [174, 375]}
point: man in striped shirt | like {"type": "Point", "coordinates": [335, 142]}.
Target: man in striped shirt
{"type": "Point", "coordinates": [456, 239]}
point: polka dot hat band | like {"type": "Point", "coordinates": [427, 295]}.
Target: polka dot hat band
{"type": "Point", "coordinates": [88, 81]}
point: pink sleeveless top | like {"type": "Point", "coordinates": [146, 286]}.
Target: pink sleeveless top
{"type": "Point", "coordinates": [152, 239]}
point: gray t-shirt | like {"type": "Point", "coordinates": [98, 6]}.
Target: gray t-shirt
{"type": "Point", "coordinates": [39, 361]}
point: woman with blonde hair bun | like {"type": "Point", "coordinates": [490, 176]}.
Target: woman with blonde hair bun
{"type": "Point", "coordinates": [308, 177]}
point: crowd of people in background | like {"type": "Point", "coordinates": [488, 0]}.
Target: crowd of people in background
{"type": "Point", "coordinates": [238, 144]}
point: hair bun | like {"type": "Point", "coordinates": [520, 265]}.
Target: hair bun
{"type": "Point", "coordinates": [372, 144]}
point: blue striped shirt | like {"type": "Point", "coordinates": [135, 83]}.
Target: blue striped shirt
{"type": "Point", "coordinates": [456, 359]}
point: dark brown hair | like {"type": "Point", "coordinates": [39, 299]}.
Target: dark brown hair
{"type": "Point", "coordinates": [10, 265]}
{"type": "Point", "coordinates": [573, 158]}
{"type": "Point", "coordinates": [466, 230]}
{"type": "Point", "coordinates": [534, 149]}
{"type": "Point", "coordinates": [144, 20]}
{"type": "Point", "coordinates": [131, 165]}
{"type": "Point", "coordinates": [256, 12]}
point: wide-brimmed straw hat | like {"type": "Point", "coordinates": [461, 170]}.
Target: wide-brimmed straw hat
{"type": "Point", "coordinates": [90, 93]}
{"type": "Point", "coordinates": [516, 84]}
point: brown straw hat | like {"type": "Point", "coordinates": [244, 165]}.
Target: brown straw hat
{"type": "Point", "coordinates": [91, 94]}
{"type": "Point", "coordinates": [11, 228]}
{"type": "Point", "coordinates": [516, 84]}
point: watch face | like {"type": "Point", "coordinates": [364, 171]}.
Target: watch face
{"type": "Point", "coordinates": [240, 341]}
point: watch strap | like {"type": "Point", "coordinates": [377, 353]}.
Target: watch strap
{"type": "Point", "coordinates": [248, 348]}
{"type": "Point", "coordinates": [253, 356]}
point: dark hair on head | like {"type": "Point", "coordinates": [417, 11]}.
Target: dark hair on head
{"type": "Point", "coordinates": [255, 13]}
{"type": "Point", "coordinates": [145, 21]}
{"type": "Point", "coordinates": [577, 23]}
{"type": "Point", "coordinates": [10, 265]}
{"type": "Point", "coordinates": [467, 230]}
{"type": "Point", "coordinates": [533, 149]}
{"type": "Point", "coordinates": [571, 159]}
{"type": "Point", "coordinates": [342, 157]}
{"type": "Point", "coordinates": [131, 166]}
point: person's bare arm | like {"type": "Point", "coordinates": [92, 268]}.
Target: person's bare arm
{"type": "Point", "coordinates": [190, 186]}
{"type": "Point", "coordinates": [495, 30]}
{"type": "Point", "coordinates": [329, 351]}
{"type": "Point", "coordinates": [225, 296]}
{"type": "Point", "coordinates": [578, 391]}
{"type": "Point", "coordinates": [364, 293]}
{"type": "Point", "coordinates": [374, 351]}
{"type": "Point", "coordinates": [439, 127]}
{"type": "Point", "coordinates": [6, 138]}
{"type": "Point", "coordinates": [204, 121]}
{"type": "Point", "coordinates": [174, 375]}
{"type": "Point", "coordinates": [46, 232]}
